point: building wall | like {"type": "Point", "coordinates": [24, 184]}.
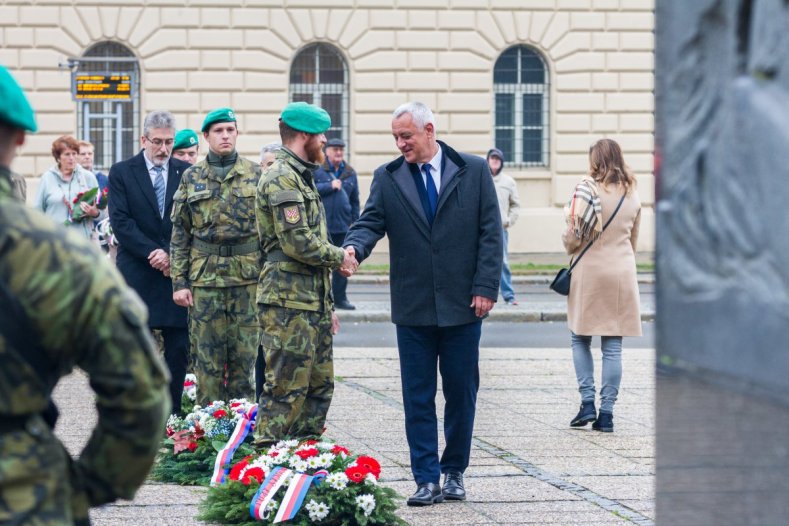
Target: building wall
{"type": "Point", "coordinates": [442, 52]}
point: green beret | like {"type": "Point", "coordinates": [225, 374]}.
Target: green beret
{"type": "Point", "coordinates": [14, 107]}
{"type": "Point", "coordinates": [185, 139]}
{"type": "Point", "coordinates": [306, 117]}
{"type": "Point", "coordinates": [218, 115]}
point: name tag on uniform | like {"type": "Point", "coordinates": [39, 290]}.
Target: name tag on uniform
{"type": "Point", "coordinates": [199, 187]}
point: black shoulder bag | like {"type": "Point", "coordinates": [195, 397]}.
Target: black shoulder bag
{"type": "Point", "coordinates": [561, 283]}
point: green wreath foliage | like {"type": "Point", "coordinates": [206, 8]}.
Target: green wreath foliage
{"type": "Point", "coordinates": [192, 468]}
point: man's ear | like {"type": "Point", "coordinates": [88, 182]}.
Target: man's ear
{"type": "Point", "coordinates": [430, 129]}
{"type": "Point", "coordinates": [19, 139]}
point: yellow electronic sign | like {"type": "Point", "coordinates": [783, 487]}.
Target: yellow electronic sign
{"type": "Point", "coordinates": [102, 86]}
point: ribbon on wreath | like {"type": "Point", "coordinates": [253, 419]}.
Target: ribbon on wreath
{"type": "Point", "coordinates": [225, 456]}
{"type": "Point", "coordinates": [294, 496]}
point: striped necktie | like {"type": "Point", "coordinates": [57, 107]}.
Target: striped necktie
{"type": "Point", "coordinates": [158, 188]}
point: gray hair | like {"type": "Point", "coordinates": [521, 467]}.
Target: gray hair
{"type": "Point", "coordinates": [419, 112]}
{"type": "Point", "coordinates": [271, 147]}
{"type": "Point", "coordinates": [158, 119]}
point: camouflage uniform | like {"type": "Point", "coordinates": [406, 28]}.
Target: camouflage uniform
{"type": "Point", "coordinates": [294, 293]}
{"type": "Point", "coordinates": [215, 252]}
{"type": "Point", "coordinates": [86, 317]}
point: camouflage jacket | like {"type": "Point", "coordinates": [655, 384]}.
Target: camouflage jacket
{"type": "Point", "coordinates": [291, 221]}
{"type": "Point", "coordinates": [88, 318]}
{"type": "Point", "coordinates": [219, 212]}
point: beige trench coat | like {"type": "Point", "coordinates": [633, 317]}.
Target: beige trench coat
{"type": "Point", "coordinates": [604, 299]}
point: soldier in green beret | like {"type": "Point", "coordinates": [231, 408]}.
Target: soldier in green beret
{"type": "Point", "coordinates": [65, 306]}
{"type": "Point", "coordinates": [186, 146]}
{"type": "Point", "coordinates": [294, 291]}
{"type": "Point", "coordinates": [215, 262]}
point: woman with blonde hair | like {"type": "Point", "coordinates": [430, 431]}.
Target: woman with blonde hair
{"type": "Point", "coordinates": [603, 214]}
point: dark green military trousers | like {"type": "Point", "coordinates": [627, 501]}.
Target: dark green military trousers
{"type": "Point", "coordinates": [224, 336]}
{"type": "Point", "coordinates": [299, 374]}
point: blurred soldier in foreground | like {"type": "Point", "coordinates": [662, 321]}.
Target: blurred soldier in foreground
{"type": "Point", "coordinates": [65, 307]}
{"type": "Point", "coordinates": [294, 291]}
{"type": "Point", "coordinates": [215, 262]}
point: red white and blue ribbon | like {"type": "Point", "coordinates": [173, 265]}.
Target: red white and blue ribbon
{"type": "Point", "coordinates": [294, 495]}
{"type": "Point", "coordinates": [225, 456]}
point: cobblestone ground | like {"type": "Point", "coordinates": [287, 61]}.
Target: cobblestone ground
{"type": "Point", "coordinates": [528, 466]}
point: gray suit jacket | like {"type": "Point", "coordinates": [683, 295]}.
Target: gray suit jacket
{"type": "Point", "coordinates": [434, 271]}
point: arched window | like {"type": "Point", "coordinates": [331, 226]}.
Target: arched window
{"type": "Point", "coordinates": [319, 76]}
{"type": "Point", "coordinates": [112, 125]}
{"type": "Point", "coordinates": [521, 116]}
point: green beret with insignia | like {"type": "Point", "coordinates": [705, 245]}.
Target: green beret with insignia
{"type": "Point", "coordinates": [306, 118]}
{"type": "Point", "coordinates": [185, 139]}
{"type": "Point", "coordinates": [218, 115]}
{"type": "Point", "coordinates": [14, 107]}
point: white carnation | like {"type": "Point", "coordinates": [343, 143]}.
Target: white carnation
{"type": "Point", "coordinates": [366, 503]}
{"type": "Point", "coordinates": [337, 480]}
{"type": "Point", "coordinates": [318, 510]}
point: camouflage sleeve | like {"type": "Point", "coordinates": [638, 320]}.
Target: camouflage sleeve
{"type": "Point", "coordinates": [298, 239]}
{"type": "Point", "coordinates": [181, 240]}
{"type": "Point", "coordinates": [88, 316]}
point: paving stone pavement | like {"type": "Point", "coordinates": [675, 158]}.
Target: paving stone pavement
{"type": "Point", "coordinates": [527, 466]}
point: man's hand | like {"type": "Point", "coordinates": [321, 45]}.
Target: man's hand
{"type": "Point", "coordinates": [335, 323]}
{"type": "Point", "coordinates": [349, 263]}
{"type": "Point", "coordinates": [482, 305]}
{"type": "Point", "coordinates": [89, 210]}
{"type": "Point", "coordinates": [159, 259]}
{"type": "Point", "coordinates": [336, 184]}
{"type": "Point", "coordinates": [183, 298]}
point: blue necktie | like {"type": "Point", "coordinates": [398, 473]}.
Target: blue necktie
{"type": "Point", "coordinates": [158, 188]}
{"type": "Point", "coordinates": [432, 192]}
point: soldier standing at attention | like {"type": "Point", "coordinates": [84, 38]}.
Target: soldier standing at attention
{"type": "Point", "coordinates": [215, 262]}
{"type": "Point", "coordinates": [294, 291]}
{"type": "Point", "coordinates": [64, 306]}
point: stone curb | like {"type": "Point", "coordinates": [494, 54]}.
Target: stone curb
{"type": "Point", "coordinates": [522, 316]}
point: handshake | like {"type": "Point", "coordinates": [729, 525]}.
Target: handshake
{"type": "Point", "coordinates": [349, 263]}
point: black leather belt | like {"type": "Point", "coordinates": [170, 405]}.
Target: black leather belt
{"type": "Point", "coordinates": [226, 250]}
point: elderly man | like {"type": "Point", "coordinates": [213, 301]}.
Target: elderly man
{"type": "Point", "coordinates": [186, 146]}
{"type": "Point", "coordinates": [339, 189]}
{"type": "Point", "coordinates": [216, 262]}
{"type": "Point", "coordinates": [439, 210]}
{"type": "Point", "coordinates": [140, 201]}
{"type": "Point", "coordinates": [293, 292]}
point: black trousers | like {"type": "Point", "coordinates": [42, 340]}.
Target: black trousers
{"type": "Point", "coordinates": [176, 355]}
{"type": "Point", "coordinates": [339, 283]}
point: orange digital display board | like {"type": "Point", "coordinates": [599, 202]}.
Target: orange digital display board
{"type": "Point", "coordinates": [100, 86]}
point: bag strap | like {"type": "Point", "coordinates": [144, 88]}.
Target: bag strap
{"type": "Point", "coordinates": [573, 264]}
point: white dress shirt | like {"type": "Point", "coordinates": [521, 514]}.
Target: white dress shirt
{"type": "Point", "coordinates": [435, 170]}
{"type": "Point", "coordinates": [152, 172]}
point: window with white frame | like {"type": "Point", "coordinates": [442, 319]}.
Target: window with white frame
{"type": "Point", "coordinates": [319, 75]}
{"type": "Point", "coordinates": [521, 111]}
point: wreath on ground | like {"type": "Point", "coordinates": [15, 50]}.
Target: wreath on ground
{"type": "Point", "coordinates": [300, 483]}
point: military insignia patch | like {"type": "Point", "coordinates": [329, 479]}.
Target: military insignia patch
{"type": "Point", "coordinates": [292, 215]}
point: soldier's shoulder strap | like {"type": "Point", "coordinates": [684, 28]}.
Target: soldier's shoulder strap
{"type": "Point", "coordinates": [24, 341]}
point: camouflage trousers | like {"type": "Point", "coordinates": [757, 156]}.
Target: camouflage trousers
{"type": "Point", "coordinates": [299, 374]}
{"type": "Point", "coordinates": [224, 335]}
{"type": "Point", "coordinates": [35, 480]}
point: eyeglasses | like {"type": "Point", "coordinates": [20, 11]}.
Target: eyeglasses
{"type": "Point", "coordinates": [159, 142]}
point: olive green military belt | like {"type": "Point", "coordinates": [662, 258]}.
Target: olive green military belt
{"type": "Point", "coordinates": [278, 256]}
{"type": "Point", "coordinates": [226, 250]}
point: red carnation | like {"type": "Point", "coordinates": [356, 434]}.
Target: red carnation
{"type": "Point", "coordinates": [188, 383]}
{"type": "Point", "coordinates": [219, 413]}
{"type": "Point", "coordinates": [256, 473]}
{"type": "Point", "coordinates": [234, 405]}
{"type": "Point", "coordinates": [356, 473]}
{"type": "Point", "coordinates": [192, 446]}
{"type": "Point", "coordinates": [310, 442]}
{"type": "Point", "coordinates": [370, 464]}
{"type": "Point", "coordinates": [273, 454]}
{"type": "Point", "coordinates": [339, 449]}
{"type": "Point", "coordinates": [235, 471]}
{"type": "Point", "coordinates": [304, 454]}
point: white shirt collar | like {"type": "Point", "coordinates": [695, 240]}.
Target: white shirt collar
{"type": "Point", "coordinates": [435, 163]}
{"type": "Point", "coordinates": [149, 164]}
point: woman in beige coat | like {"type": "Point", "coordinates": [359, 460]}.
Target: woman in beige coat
{"type": "Point", "coordinates": [604, 299]}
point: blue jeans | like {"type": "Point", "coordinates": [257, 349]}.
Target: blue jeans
{"type": "Point", "coordinates": [612, 369]}
{"type": "Point", "coordinates": [507, 291]}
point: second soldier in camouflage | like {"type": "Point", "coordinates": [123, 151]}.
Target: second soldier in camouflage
{"type": "Point", "coordinates": [294, 291]}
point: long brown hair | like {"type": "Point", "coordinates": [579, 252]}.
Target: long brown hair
{"type": "Point", "coordinates": [607, 165]}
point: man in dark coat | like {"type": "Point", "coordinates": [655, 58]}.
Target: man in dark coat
{"type": "Point", "coordinates": [439, 210]}
{"type": "Point", "coordinates": [338, 187]}
{"type": "Point", "coordinates": [140, 200]}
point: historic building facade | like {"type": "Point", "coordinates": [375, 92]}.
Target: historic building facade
{"type": "Point", "coordinates": [540, 79]}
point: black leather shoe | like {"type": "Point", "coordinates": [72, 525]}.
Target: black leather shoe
{"type": "Point", "coordinates": [344, 305]}
{"type": "Point", "coordinates": [586, 414]}
{"type": "Point", "coordinates": [453, 486]}
{"type": "Point", "coordinates": [604, 422]}
{"type": "Point", "coordinates": [426, 494]}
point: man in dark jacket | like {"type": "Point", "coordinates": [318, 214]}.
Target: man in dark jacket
{"type": "Point", "coordinates": [339, 190]}
{"type": "Point", "coordinates": [439, 210]}
{"type": "Point", "coordinates": [140, 200]}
